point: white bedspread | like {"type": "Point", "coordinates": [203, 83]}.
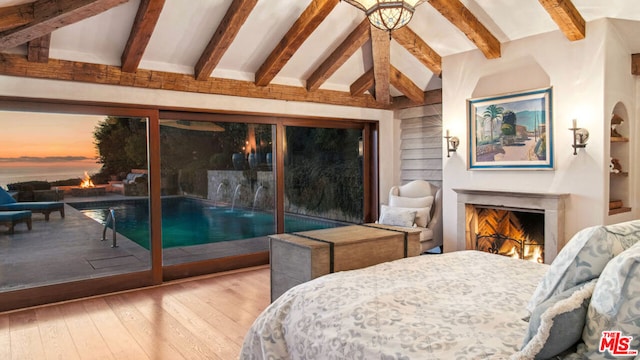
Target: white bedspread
{"type": "Point", "coordinates": [460, 305]}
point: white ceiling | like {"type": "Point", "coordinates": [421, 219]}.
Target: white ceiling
{"type": "Point", "coordinates": [185, 28]}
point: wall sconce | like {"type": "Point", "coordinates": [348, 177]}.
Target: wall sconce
{"type": "Point", "coordinates": [580, 137]}
{"type": "Point", "coordinates": [452, 143]}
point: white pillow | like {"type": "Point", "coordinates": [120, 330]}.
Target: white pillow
{"type": "Point", "coordinates": [422, 214]}
{"type": "Point", "coordinates": [409, 202]}
{"type": "Point", "coordinates": [397, 216]}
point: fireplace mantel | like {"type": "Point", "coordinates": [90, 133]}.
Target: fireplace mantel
{"type": "Point", "coordinates": [552, 204]}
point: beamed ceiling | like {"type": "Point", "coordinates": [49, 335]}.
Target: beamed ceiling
{"type": "Point", "coordinates": [321, 51]}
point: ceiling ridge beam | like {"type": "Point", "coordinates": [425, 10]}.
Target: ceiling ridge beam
{"type": "Point", "coordinates": [463, 19]}
{"type": "Point", "coordinates": [567, 17]}
{"type": "Point", "coordinates": [340, 55]}
{"type": "Point", "coordinates": [143, 26]}
{"type": "Point", "coordinates": [50, 15]}
{"type": "Point", "coordinates": [380, 48]}
{"type": "Point", "coordinates": [38, 49]}
{"type": "Point", "coordinates": [224, 35]}
{"type": "Point", "coordinates": [303, 27]}
{"type": "Point", "coordinates": [401, 82]}
{"type": "Point", "coordinates": [14, 16]}
{"type": "Point", "coordinates": [419, 49]}
{"type": "Point", "coordinates": [17, 65]}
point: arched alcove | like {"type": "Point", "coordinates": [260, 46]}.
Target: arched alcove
{"type": "Point", "coordinates": [620, 164]}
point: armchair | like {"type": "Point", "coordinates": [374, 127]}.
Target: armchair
{"type": "Point", "coordinates": [431, 235]}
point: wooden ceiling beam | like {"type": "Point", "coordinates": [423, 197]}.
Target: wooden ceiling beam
{"type": "Point", "coordinates": [304, 26]}
{"type": "Point", "coordinates": [635, 64]}
{"type": "Point", "coordinates": [569, 20]}
{"type": "Point", "coordinates": [463, 19]}
{"type": "Point", "coordinates": [228, 29]}
{"type": "Point", "coordinates": [363, 83]}
{"type": "Point", "coordinates": [17, 65]}
{"type": "Point", "coordinates": [340, 55]}
{"type": "Point", "coordinates": [401, 82]}
{"type": "Point", "coordinates": [419, 49]}
{"type": "Point", "coordinates": [53, 14]}
{"type": "Point", "coordinates": [14, 16]}
{"type": "Point", "coordinates": [38, 49]}
{"type": "Point", "coordinates": [143, 26]}
{"type": "Point", "coordinates": [430, 97]}
{"type": "Point", "coordinates": [381, 64]}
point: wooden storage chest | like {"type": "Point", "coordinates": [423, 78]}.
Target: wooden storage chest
{"type": "Point", "coordinates": [299, 257]}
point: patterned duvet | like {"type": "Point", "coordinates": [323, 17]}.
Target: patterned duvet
{"type": "Point", "coordinates": [460, 305]}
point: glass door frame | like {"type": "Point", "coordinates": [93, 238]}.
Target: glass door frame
{"type": "Point", "coordinates": [157, 273]}
{"type": "Point", "coordinates": [93, 286]}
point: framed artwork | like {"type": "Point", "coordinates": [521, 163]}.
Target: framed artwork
{"type": "Point", "coordinates": [511, 132]}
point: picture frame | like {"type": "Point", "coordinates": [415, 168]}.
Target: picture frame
{"type": "Point", "coordinates": [512, 131]}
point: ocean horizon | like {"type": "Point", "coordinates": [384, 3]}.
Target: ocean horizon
{"type": "Point", "coordinates": [14, 172]}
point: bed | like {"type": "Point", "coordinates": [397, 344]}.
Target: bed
{"type": "Point", "coordinates": [459, 305]}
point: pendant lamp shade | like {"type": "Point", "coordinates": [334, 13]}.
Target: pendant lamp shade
{"type": "Point", "coordinates": [387, 15]}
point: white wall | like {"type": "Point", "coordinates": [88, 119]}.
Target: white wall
{"type": "Point", "coordinates": [50, 89]}
{"type": "Point", "coordinates": [620, 91]}
{"type": "Point", "coordinates": [575, 70]}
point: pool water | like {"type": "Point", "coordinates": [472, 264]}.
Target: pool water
{"type": "Point", "coordinates": [188, 221]}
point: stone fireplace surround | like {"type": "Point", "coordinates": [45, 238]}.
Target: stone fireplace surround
{"type": "Point", "coordinates": [552, 204]}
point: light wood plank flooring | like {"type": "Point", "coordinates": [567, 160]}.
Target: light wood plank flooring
{"type": "Point", "coordinates": [200, 318]}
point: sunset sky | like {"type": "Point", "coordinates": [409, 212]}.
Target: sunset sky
{"type": "Point", "coordinates": [45, 134]}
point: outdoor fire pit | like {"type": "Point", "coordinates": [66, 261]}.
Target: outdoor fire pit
{"type": "Point", "coordinates": [98, 190]}
{"type": "Point", "coordinates": [87, 188]}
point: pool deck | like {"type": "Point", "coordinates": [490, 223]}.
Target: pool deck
{"type": "Point", "coordinates": [70, 248]}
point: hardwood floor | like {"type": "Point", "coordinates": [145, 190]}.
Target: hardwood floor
{"type": "Point", "coordinates": [200, 318]}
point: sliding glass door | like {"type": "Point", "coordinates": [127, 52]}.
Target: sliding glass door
{"type": "Point", "coordinates": [68, 215]}
{"type": "Point", "coordinates": [323, 172]}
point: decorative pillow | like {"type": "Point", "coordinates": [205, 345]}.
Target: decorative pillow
{"type": "Point", "coordinates": [410, 202]}
{"type": "Point", "coordinates": [557, 323]}
{"type": "Point", "coordinates": [582, 259]}
{"type": "Point", "coordinates": [397, 216]}
{"type": "Point", "coordinates": [615, 305]}
{"type": "Point", "coordinates": [422, 214]}
{"type": "Point", "coordinates": [625, 234]}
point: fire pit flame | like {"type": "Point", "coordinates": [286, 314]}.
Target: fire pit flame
{"type": "Point", "coordinates": [86, 182]}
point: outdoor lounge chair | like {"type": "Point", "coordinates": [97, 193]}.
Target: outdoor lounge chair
{"type": "Point", "coordinates": [11, 218]}
{"type": "Point", "coordinates": [8, 203]}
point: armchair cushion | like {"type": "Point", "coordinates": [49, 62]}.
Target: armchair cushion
{"type": "Point", "coordinates": [397, 216]}
{"type": "Point", "coordinates": [410, 202]}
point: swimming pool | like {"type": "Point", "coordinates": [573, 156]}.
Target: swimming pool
{"type": "Point", "coordinates": [187, 221]}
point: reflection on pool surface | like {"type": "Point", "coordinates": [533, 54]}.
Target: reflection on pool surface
{"type": "Point", "coordinates": [187, 221]}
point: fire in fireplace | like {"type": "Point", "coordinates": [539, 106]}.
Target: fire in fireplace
{"type": "Point", "coordinates": [518, 234]}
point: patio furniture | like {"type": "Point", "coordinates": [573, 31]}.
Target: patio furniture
{"type": "Point", "coordinates": [133, 184]}
{"type": "Point", "coordinates": [8, 203]}
{"type": "Point", "coordinates": [11, 218]}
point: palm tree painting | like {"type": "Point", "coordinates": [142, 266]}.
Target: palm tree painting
{"type": "Point", "coordinates": [511, 131]}
{"type": "Point", "coordinates": [493, 114]}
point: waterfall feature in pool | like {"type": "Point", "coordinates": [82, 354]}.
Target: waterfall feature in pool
{"type": "Point", "coordinates": [187, 221]}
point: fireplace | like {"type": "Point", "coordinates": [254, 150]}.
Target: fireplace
{"type": "Point", "coordinates": [542, 214]}
{"type": "Point", "coordinates": [509, 232]}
